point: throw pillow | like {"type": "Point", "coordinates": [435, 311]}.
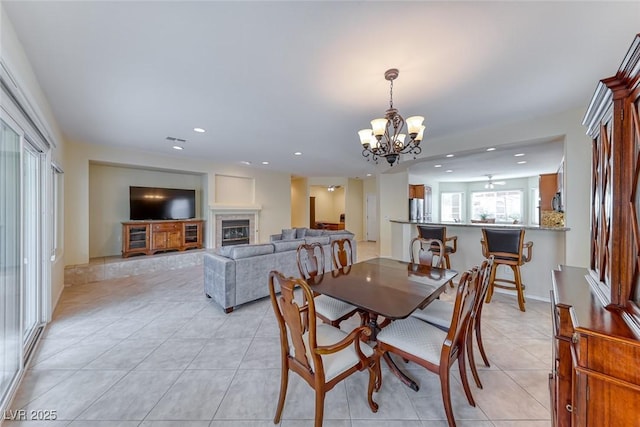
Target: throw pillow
{"type": "Point", "coordinates": [313, 233]}
{"type": "Point", "coordinates": [300, 233]}
{"type": "Point", "coordinates": [288, 234]}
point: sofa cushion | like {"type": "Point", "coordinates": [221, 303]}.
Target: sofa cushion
{"type": "Point", "coordinates": [288, 234]}
{"type": "Point", "coordinates": [340, 236]}
{"type": "Point", "coordinates": [323, 240]}
{"type": "Point", "coordinates": [287, 245]}
{"type": "Point", "coordinates": [313, 233]}
{"type": "Point", "coordinates": [301, 233]}
{"type": "Point", "coordinates": [246, 251]}
{"type": "Point", "coordinates": [224, 251]}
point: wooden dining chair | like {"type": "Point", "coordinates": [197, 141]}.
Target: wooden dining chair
{"type": "Point", "coordinates": [440, 313]}
{"type": "Point", "coordinates": [321, 354]}
{"type": "Point", "coordinates": [431, 347]}
{"type": "Point", "coordinates": [311, 262]}
{"type": "Point", "coordinates": [440, 233]}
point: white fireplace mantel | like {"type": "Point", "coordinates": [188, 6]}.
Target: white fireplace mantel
{"type": "Point", "coordinates": [217, 212]}
{"type": "Point", "coordinates": [236, 208]}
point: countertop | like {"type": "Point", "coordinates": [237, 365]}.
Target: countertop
{"type": "Point", "coordinates": [482, 224]}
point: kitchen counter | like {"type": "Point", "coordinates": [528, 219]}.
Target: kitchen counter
{"type": "Point", "coordinates": [482, 224]}
{"type": "Point", "coordinates": [548, 251]}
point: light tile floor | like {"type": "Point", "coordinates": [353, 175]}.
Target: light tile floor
{"type": "Point", "coordinates": [151, 350]}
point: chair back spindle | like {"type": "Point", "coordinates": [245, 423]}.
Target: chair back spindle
{"type": "Point", "coordinates": [310, 258]}
{"type": "Point", "coordinates": [427, 252]}
{"type": "Point", "coordinates": [341, 253]}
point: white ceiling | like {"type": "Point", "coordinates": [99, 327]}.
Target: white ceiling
{"type": "Point", "coordinates": [266, 79]}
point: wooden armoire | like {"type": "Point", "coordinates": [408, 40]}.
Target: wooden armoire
{"type": "Point", "coordinates": [595, 379]}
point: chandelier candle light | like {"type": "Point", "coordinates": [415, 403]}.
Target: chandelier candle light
{"type": "Point", "coordinates": [385, 139]}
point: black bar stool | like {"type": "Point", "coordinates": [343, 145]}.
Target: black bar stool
{"type": "Point", "coordinates": [507, 247]}
{"type": "Point", "coordinates": [435, 232]}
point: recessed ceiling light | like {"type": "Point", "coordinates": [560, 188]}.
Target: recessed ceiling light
{"type": "Point", "coordinates": [518, 155]}
{"type": "Point", "coordinates": [177, 147]}
{"type": "Point", "coordinates": [522, 162]}
{"type": "Point", "coordinates": [448, 171]}
{"type": "Point", "coordinates": [449, 155]}
{"type": "Point", "coordinates": [245, 162]}
{"type": "Point", "coordinates": [199, 130]}
{"type": "Point", "coordinates": [491, 149]}
{"type": "Point", "coordinates": [297, 153]}
{"type": "Point", "coordinates": [265, 163]}
{"type": "Point", "coordinates": [368, 174]}
{"type": "Point", "coordinates": [437, 166]}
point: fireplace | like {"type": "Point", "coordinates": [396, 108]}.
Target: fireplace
{"type": "Point", "coordinates": [235, 232]}
{"type": "Point", "coordinates": [219, 213]}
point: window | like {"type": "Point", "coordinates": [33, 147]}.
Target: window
{"type": "Point", "coordinates": [451, 207]}
{"type": "Point", "coordinates": [504, 206]}
{"type": "Point", "coordinates": [534, 216]}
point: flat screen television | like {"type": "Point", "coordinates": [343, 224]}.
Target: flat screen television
{"type": "Point", "coordinates": [161, 203]}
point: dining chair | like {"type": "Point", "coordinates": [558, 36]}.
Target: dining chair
{"type": "Point", "coordinates": [311, 263]}
{"type": "Point", "coordinates": [431, 347]}
{"type": "Point", "coordinates": [321, 354]}
{"type": "Point", "coordinates": [507, 247]}
{"type": "Point", "coordinates": [440, 233]}
{"type": "Point", "coordinates": [426, 252]}
{"type": "Point", "coordinates": [440, 313]}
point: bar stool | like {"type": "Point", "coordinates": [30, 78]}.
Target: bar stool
{"type": "Point", "coordinates": [507, 247]}
{"type": "Point", "coordinates": [435, 232]}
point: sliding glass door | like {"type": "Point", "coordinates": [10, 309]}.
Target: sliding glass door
{"type": "Point", "coordinates": [32, 242]}
{"type": "Point", "coordinates": [11, 343]}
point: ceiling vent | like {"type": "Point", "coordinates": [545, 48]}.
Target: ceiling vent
{"type": "Point", "coordinates": [173, 139]}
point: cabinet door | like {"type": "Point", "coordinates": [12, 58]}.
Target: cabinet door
{"type": "Point", "coordinates": [609, 402]}
{"type": "Point", "coordinates": [548, 187]}
{"type": "Point", "coordinates": [174, 240]}
{"type": "Point", "coordinates": [135, 238]}
{"type": "Point", "coordinates": [159, 240]}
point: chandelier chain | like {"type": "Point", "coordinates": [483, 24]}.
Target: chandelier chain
{"type": "Point", "coordinates": [391, 94]}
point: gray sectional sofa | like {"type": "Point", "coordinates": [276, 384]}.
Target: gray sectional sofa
{"type": "Point", "coordinates": [234, 275]}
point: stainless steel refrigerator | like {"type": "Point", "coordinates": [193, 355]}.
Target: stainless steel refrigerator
{"type": "Point", "coordinates": [416, 209]}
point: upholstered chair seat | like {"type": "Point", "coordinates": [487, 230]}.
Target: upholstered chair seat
{"type": "Point", "coordinates": [333, 310]}
{"type": "Point", "coordinates": [416, 337]}
{"type": "Point", "coordinates": [334, 364]}
{"type": "Point", "coordinates": [438, 313]}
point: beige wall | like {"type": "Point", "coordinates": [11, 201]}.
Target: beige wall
{"type": "Point", "coordinates": [393, 193]}
{"type": "Point", "coordinates": [353, 209]}
{"type": "Point", "coordinates": [329, 204]}
{"type": "Point", "coordinates": [109, 200]}
{"type": "Point", "coordinates": [299, 203]}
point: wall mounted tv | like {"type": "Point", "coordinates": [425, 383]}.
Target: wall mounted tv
{"type": "Point", "coordinates": [161, 203]}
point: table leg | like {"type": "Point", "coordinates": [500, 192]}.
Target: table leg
{"type": "Point", "coordinates": [373, 325]}
{"type": "Point", "coordinates": [398, 373]}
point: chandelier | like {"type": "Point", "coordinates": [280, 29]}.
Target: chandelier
{"type": "Point", "coordinates": [385, 139]}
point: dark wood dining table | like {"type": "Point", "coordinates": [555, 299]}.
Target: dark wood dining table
{"type": "Point", "coordinates": [385, 287]}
